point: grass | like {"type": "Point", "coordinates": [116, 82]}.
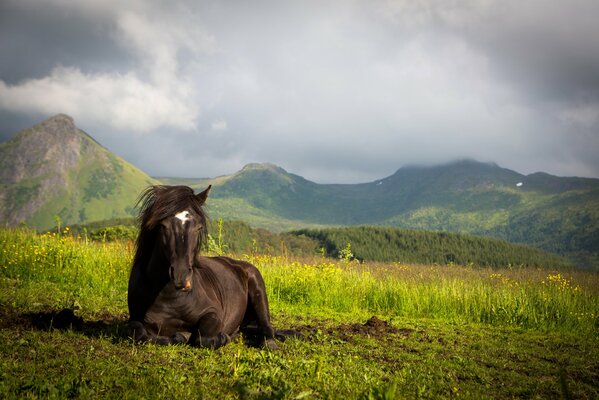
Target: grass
{"type": "Point", "coordinates": [57, 271]}
{"type": "Point", "coordinates": [451, 332]}
{"type": "Point", "coordinates": [531, 298]}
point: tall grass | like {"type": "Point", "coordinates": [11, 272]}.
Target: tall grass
{"type": "Point", "coordinates": [59, 270]}
{"type": "Point", "coordinates": [531, 298]}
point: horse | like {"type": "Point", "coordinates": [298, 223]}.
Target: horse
{"type": "Point", "coordinates": [177, 296]}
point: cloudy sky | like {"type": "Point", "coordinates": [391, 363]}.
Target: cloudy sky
{"type": "Point", "coordinates": [336, 91]}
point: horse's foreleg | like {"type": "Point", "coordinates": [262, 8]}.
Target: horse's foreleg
{"type": "Point", "coordinates": [209, 332]}
{"type": "Point", "coordinates": [140, 334]}
{"type": "Point", "coordinates": [178, 338]}
{"type": "Point", "coordinates": [212, 342]}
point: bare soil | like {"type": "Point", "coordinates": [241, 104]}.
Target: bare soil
{"type": "Point", "coordinates": [375, 328]}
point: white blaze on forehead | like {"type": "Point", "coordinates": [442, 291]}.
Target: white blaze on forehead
{"type": "Point", "coordinates": [183, 216]}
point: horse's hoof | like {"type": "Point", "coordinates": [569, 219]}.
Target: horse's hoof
{"type": "Point", "coordinates": [137, 331]}
{"type": "Point", "coordinates": [270, 344]}
{"type": "Point", "coordinates": [163, 341]}
{"type": "Point", "coordinates": [181, 337]}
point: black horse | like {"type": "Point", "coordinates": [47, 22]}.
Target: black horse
{"type": "Point", "coordinates": [177, 296]}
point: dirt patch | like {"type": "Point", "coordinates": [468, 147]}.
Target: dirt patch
{"type": "Point", "coordinates": [375, 327]}
{"type": "Point", "coordinates": [10, 319]}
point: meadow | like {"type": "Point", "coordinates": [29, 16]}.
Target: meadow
{"type": "Point", "coordinates": [438, 331]}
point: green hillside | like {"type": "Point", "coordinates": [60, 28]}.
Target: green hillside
{"type": "Point", "coordinates": [552, 213]}
{"type": "Point", "coordinates": [56, 170]}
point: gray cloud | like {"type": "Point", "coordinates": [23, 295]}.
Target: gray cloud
{"type": "Point", "coordinates": [40, 38]}
{"type": "Point", "coordinates": [338, 91]}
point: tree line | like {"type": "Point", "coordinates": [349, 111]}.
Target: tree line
{"type": "Point", "coordinates": [374, 243]}
{"type": "Point", "coordinates": [367, 243]}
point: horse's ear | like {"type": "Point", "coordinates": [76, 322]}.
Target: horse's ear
{"type": "Point", "coordinates": [203, 195]}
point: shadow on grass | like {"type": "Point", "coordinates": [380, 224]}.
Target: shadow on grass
{"type": "Point", "coordinates": [114, 328]}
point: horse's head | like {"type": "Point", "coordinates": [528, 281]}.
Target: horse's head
{"type": "Point", "coordinates": [180, 240]}
{"type": "Point", "coordinates": [175, 215]}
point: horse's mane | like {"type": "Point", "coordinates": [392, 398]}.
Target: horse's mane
{"type": "Point", "coordinates": [157, 203]}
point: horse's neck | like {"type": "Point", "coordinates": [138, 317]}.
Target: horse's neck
{"type": "Point", "coordinates": [207, 281]}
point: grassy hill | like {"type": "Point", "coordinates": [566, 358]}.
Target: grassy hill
{"type": "Point", "coordinates": [56, 170]}
{"type": "Point", "coordinates": [235, 237]}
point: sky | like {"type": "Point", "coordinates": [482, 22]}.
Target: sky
{"type": "Point", "coordinates": [335, 91]}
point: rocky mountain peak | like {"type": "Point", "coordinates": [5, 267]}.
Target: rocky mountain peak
{"type": "Point", "coordinates": [54, 168]}
{"type": "Point", "coordinates": [59, 123]}
{"type": "Point", "coordinates": [52, 146]}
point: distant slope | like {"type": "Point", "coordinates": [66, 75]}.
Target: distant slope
{"type": "Point", "coordinates": [236, 237]}
{"type": "Point", "coordinates": [552, 213]}
{"type": "Point", "coordinates": [464, 188]}
{"type": "Point", "coordinates": [55, 169]}
{"type": "Point", "coordinates": [259, 194]}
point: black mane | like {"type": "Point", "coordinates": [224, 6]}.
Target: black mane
{"type": "Point", "coordinates": [157, 203]}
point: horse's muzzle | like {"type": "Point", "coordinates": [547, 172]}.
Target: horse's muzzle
{"type": "Point", "coordinates": [181, 280]}
{"type": "Point", "coordinates": [184, 287]}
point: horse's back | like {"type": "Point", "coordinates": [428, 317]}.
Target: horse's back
{"type": "Point", "coordinates": [226, 267]}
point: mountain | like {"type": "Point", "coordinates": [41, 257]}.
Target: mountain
{"type": "Point", "coordinates": [556, 214]}
{"type": "Point", "coordinates": [55, 169]}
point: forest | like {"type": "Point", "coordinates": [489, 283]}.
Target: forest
{"type": "Point", "coordinates": [372, 243]}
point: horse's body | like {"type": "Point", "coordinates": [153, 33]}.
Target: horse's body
{"type": "Point", "coordinates": [177, 296]}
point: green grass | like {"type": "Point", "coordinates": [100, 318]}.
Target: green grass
{"type": "Point", "coordinates": [453, 331]}
{"type": "Point", "coordinates": [427, 360]}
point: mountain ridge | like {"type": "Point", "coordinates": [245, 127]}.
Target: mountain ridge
{"type": "Point", "coordinates": [76, 178]}
{"type": "Point", "coordinates": [556, 214]}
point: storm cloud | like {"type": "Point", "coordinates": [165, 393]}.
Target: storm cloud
{"type": "Point", "coordinates": [337, 91]}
